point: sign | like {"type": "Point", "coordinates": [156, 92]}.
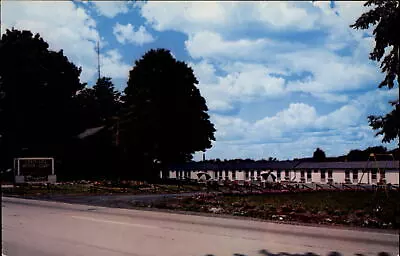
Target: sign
{"type": "Point", "coordinates": [35, 167]}
{"type": "Point", "coordinates": [35, 170]}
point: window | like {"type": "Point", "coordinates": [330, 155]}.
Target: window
{"type": "Point", "coordinates": [180, 174]}
{"type": "Point", "coordinates": [373, 174]}
{"type": "Point", "coordinates": [302, 178]}
{"type": "Point", "coordinates": [226, 173]}
{"type": "Point", "coordinates": [287, 175]}
{"type": "Point", "coordinates": [258, 173]}
{"type": "Point", "coordinates": [355, 174]}
{"type": "Point", "coordinates": [308, 175]}
{"type": "Point", "coordinates": [383, 176]}
{"type": "Point", "coordinates": [278, 174]}
{"type": "Point", "coordinates": [252, 173]}
{"type": "Point", "coordinates": [220, 174]}
{"type": "Point", "coordinates": [347, 176]}
{"type": "Point", "coordinates": [329, 174]}
{"type": "Point", "coordinates": [323, 175]}
{"type": "Point", "coordinates": [246, 175]}
{"type": "Point", "coordinates": [233, 175]}
{"type": "Point", "coordinates": [215, 174]}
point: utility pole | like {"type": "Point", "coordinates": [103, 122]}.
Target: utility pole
{"type": "Point", "coordinates": [98, 59]}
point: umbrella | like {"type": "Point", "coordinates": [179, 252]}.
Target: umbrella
{"type": "Point", "coordinates": [204, 174]}
{"type": "Point", "coordinates": [268, 176]}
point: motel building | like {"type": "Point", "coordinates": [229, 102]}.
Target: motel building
{"type": "Point", "coordinates": [362, 172]}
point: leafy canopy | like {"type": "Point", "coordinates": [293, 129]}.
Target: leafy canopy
{"type": "Point", "coordinates": [385, 16]}
{"type": "Point", "coordinates": [166, 118]}
{"type": "Point", "coordinates": [319, 155]}
{"type": "Point", "coordinates": [100, 104]}
{"type": "Point", "coordinates": [38, 88]}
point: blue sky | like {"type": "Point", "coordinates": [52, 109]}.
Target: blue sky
{"type": "Point", "coordinates": [280, 78]}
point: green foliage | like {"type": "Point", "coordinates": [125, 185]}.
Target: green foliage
{"type": "Point", "coordinates": [363, 155]}
{"type": "Point", "coordinates": [385, 16]}
{"type": "Point", "coordinates": [388, 125]}
{"type": "Point", "coordinates": [319, 155]}
{"type": "Point", "coordinates": [99, 105]}
{"type": "Point", "coordinates": [166, 118]}
{"type": "Point", "coordinates": [97, 154]}
{"type": "Point", "coordinates": [38, 103]}
{"type": "Point", "coordinates": [44, 106]}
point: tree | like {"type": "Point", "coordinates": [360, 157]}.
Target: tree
{"type": "Point", "coordinates": [166, 118]}
{"type": "Point", "coordinates": [99, 105]}
{"type": "Point", "coordinates": [38, 88]}
{"type": "Point", "coordinates": [107, 99]}
{"type": "Point", "coordinates": [272, 159]}
{"type": "Point", "coordinates": [319, 155]}
{"type": "Point", "coordinates": [386, 17]}
{"type": "Point", "coordinates": [356, 155]}
{"type": "Point", "coordinates": [363, 155]}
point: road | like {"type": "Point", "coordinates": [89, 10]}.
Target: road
{"type": "Point", "coordinates": [101, 200]}
{"type": "Point", "coordinates": [32, 227]}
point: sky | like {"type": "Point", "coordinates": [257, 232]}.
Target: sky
{"type": "Point", "coordinates": [280, 78]}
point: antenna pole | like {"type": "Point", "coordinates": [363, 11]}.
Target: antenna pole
{"type": "Point", "coordinates": [98, 59]}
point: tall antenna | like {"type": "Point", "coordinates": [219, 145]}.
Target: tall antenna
{"type": "Point", "coordinates": [98, 58]}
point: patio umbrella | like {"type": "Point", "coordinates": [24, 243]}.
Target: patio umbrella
{"type": "Point", "coordinates": [203, 175]}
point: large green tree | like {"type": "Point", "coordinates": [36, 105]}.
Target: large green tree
{"type": "Point", "coordinates": [385, 16]}
{"type": "Point", "coordinates": [167, 116]}
{"type": "Point", "coordinates": [37, 96]}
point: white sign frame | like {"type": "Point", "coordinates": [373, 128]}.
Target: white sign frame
{"type": "Point", "coordinates": [21, 179]}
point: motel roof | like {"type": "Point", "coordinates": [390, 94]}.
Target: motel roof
{"type": "Point", "coordinates": [349, 165]}
{"type": "Point", "coordinates": [284, 165]}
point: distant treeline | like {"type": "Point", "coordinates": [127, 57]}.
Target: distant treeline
{"type": "Point", "coordinates": [381, 153]}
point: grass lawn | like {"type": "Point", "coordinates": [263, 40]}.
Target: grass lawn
{"type": "Point", "coordinates": [353, 208]}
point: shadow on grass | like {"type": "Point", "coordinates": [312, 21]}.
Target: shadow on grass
{"type": "Point", "coordinates": [267, 253]}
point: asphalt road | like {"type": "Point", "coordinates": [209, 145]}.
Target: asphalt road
{"type": "Point", "coordinates": [101, 200]}
{"type": "Point", "coordinates": [34, 228]}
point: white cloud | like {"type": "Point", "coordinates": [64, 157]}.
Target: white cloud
{"type": "Point", "coordinates": [280, 15]}
{"type": "Point", "coordinates": [330, 72]}
{"type": "Point", "coordinates": [210, 27]}
{"type": "Point", "coordinates": [297, 130]}
{"type": "Point", "coordinates": [65, 26]}
{"type": "Point", "coordinates": [207, 44]}
{"type": "Point", "coordinates": [113, 66]}
{"type": "Point", "coordinates": [234, 66]}
{"type": "Point", "coordinates": [110, 9]}
{"type": "Point", "coordinates": [193, 17]}
{"type": "Point", "coordinates": [331, 97]}
{"type": "Point", "coordinates": [241, 84]}
{"type": "Point", "coordinates": [128, 34]}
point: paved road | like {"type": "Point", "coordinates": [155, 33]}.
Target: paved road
{"type": "Point", "coordinates": [101, 200]}
{"type": "Point", "coordinates": [36, 228]}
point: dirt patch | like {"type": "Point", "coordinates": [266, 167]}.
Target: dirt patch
{"type": "Point", "coordinates": [348, 208]}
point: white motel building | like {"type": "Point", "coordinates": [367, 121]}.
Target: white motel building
{"type": "Point", "coordinates": [361, 172]}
